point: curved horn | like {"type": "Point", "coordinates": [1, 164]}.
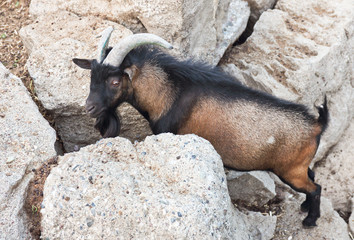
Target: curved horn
{"type": "Point", "coordinates": [118, 53]}
{"type": "Point", "coordinates": [103, 44]}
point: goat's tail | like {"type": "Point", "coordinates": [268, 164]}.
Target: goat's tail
{"type": "Point", "coordinates": [323, 118]}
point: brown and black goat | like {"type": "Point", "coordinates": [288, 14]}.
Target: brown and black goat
{"type": "Point", "coordinates": [251, 130]}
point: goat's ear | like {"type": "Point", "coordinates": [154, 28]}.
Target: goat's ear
{"type": "Point", "coordinates": [83, 63]}
{"type": "Point", "coordinates": [131, 71]}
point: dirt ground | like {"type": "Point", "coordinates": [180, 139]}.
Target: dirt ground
{"type": "Point", "coordinates": [13, 55]}
{"type": "Point", "coordinates": [14, 14]}
{"type": "Point", "coordinates": [35, 196]}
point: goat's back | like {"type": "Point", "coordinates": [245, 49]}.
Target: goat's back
{"type": "Point", "coordinates": [250, 135]}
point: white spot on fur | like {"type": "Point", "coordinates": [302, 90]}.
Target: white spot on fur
{"type": "Point", "coordinates": [271, 140]}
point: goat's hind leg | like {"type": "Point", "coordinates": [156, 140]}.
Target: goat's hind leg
{"type": "Point", "coordinates": [305, 206]}
{"type": "Point", "coordinates": [314, 207]}
{"type": "Point", "coordinates": [299, 179]}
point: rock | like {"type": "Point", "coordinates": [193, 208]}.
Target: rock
{"type": "Point", "coordinates": [293, 54]}
{"type": "Point", "coordinates": [264, 225]}
{"type": "Point", "coordinates": [203, 29]}
{"type": "Point", "coordinates": [26, 140]}
{"type": "Point", "coordinates": [210, 27]}
{"type": "Point", "coordinates": [257, 8]}
{"type": "Point", "coordinates": [167, 187]}
{"type": "Point", "coordinates": [50, 28]}
{"type": "Point", "coordinates": [335, 172]}
{"type": "Point", "coordinates": [351, 218]}
{"type": "Point", "coordinates": [61, 86]}
{"type": "Point", "coordinates": [254, 188]}
{"type": "Point", "coordinates": [329, 226]}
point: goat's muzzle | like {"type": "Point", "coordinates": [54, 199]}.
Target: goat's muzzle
{"type": "Point", "coordinates": [93, 110]}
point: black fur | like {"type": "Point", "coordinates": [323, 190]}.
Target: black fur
{"type": "Point", "coordinates": [314, 201]}
{"type": "Point", "coordinates": [305, 206]}
{"type": "Point", "coordinates": [311, 174]}
{"type": "Point", "coordinates": [323, 118]}
{"type": "Point", "coordinates": [108, 124]}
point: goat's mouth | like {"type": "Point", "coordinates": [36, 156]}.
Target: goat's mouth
{"type": "Point", "coordinates": [94, 112]}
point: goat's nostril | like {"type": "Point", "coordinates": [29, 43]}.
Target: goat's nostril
{"type": "Point", "coordinates": [90, 108]}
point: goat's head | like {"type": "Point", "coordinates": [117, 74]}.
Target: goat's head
{"type": "Point", "coordinates": [111, 79]}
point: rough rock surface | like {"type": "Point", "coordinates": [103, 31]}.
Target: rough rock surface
{"type": "Point", "coordinates": [263, 225]}
{"type": "Point", "coordinates": [61, 86]}
{"type": "Point", "coordinates": [294, 53]}
{"type": "Point", "coordinates": [203, 29]}
{"type": "Point", "coordinates": [255, 187]}
{"type": "Point", "coordinates": [50, 28]}
{"type": "Point", "coordinates": [167, 187]}
{"type": "Point", "coordinates": [335, 172]}
{"type": "Point", "coordinates": [351, 218]}
{"type": "Point", "coordinates": [257, 8]}
{"type": "Point", "coordinates": [329, 226]}
{"type": "Point", "coordinates": [26, 140]}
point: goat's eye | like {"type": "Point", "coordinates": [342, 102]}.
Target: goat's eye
{"type": "Point", "coordinates": [115, 82]}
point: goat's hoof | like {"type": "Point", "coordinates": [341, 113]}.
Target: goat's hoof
{"type": "Point", "coordinates": [309, 222]}
{"type": "Point", "coordinates": [305, 206]}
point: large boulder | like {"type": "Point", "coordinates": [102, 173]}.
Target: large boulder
{"type": "Point", "coordinates": [335, 172]}
{"type": "Point", "coordinates": [50, 28]}
{"type": "Point", "coordinates": [299, 51]}
{"type": "Point", "coordinates": [62, 87]}
{"type": "Point", "coordinates": [204, 29]}
{"type": "Point", "coordinates": [26, 141]}
{"type": "Point", "coordinates": [167, 187]}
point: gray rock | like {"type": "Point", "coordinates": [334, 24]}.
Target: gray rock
{"type": "Point", "coordinates": [293, 54]}
{"type": "Point", "coordinates": [52, 27]}
{"type": "Point", "coordinates": [255, 188]}
{"type": "Point", "coordinates": [26, 141]}
{"type": "Point", "coordinates": [263, 226]}
{"type": "Point", "coordinates": [204, 29]}
{"type": "Point", "coordinates": [209, 28]}
{"type": "Point", "coordinates": [351, 218]}
{"type": "Point", "coordinates": [167, 187]}
{"type": "Point", "coordinates": [61, 86]}
{"type": "Point", "coordinates": [335, 172]}
{"type": "Point", "coordinates": [257, 8]}
{"type": "Point", "coordinates": [329, 226]}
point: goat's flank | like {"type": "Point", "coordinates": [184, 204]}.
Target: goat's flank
{"type": "Point", "coordinates": [251, 130]}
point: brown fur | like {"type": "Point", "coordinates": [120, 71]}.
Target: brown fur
{"type": "Point", "coordinates": [262, 142]}
{"type": "Point", "coordinates": [295, 172]}
{"type": "Point", "coordinates": [125, 86]}
{"type": "Point", "coordinates": [152, 91]}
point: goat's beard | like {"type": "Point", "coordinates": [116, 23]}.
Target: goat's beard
{"type": "Point", "coordinates": [108, 124]}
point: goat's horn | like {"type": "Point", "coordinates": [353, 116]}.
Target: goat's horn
{"type": "Point", "coordinates": [103, 44]}
{"type": "Point", "coordinates": [118, 53]}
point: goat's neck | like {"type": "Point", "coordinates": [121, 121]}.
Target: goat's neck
{"type": "Point", "coordinates": [152, 91]}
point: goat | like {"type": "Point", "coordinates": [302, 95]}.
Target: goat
{"type": "Point", "coordinates": [251, 130]}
